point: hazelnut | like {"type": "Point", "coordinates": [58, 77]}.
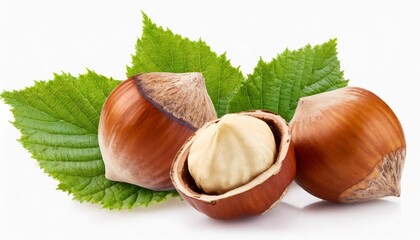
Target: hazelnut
{"type": "Point", "coordinates": [224, 156]}
{"type": "Point", "coordinates": [349, 146]}
{"type": "Point", "coordinates": [225, 152]}
{"type": "Point", "coordinates": [145, 121]}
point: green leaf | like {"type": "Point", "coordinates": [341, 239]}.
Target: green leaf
{"type": "Point", "coordinates": [278, 85]}
{"type": "Point", "coordinates": [160, 50]}
{"type": "Point", "coordinates": [59, 120]}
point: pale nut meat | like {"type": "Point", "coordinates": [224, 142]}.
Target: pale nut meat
{"type": "Point", "coordinates": [230, 153]}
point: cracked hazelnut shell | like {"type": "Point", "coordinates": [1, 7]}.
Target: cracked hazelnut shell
{"type": "Point", "coordinates": [253, 198]}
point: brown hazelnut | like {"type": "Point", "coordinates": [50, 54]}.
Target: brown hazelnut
{"type": "Point", "coordinates": [145, 121]}
{"type": "Point", "coordinates": [349, 146]}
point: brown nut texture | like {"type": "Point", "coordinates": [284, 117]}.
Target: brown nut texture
{"type": "Point", "coordinates": [145, 121]}
{"type": "Point", "coordinates": [253, 198]}
{"type": "Point", "coordinates": [349, 144]}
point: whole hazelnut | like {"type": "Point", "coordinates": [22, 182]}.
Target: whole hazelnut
{"type": "Point", "coordinates": [350, 146]}
{"type": "Point", "coordinates": [145, 121]}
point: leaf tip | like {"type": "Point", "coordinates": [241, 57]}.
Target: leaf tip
{"type": "Point", "coordinates": [147, 21]}
{"type": "Point", "coordinates": [6, 96]}
{"type": "Point", "coordinates": [333, 42]}
{"type": "Point", "coordinates": [145, 17]}
{"type": "Point", "coordinates": [2, 95]}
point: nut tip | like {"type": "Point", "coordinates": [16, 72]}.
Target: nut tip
{"type": "Point", "coordinates": [382, 182]}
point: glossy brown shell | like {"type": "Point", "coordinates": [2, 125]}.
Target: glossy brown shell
{"type": "Point", "coordinates": [349, 146]}
{"type": "Point", "coordinates": [145, 121]}
{"type": "Point", "coordinates": [131, 131]}
{"type": "Point", "coordinates": [254, 198]}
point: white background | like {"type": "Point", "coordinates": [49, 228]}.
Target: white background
{"type": "Point", "coordinates": [378, 44]}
